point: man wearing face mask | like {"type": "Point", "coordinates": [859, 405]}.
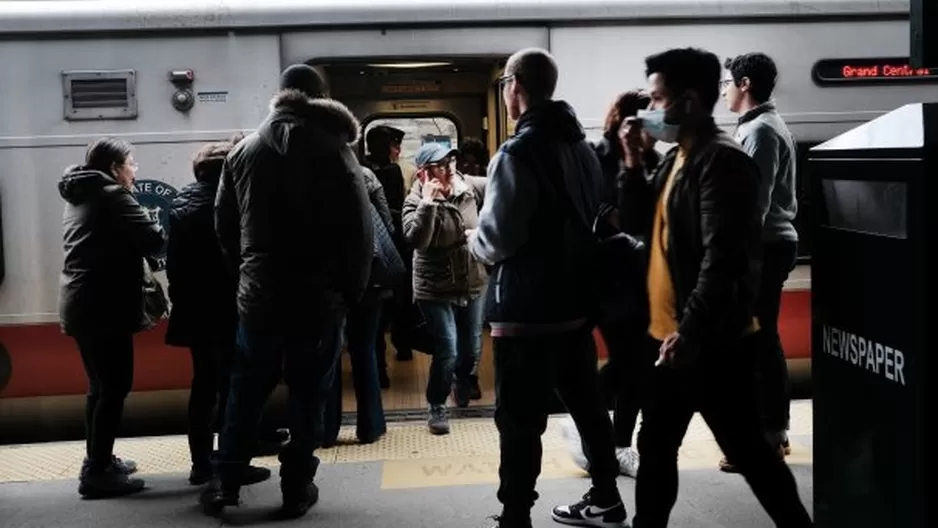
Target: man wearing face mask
{"type": "Point", "coordinates": [699, 214]}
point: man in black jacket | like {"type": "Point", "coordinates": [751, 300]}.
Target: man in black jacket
{"type": "Point", "coordinates": [699, 215]}
{"type": "Point", "coordinates": [292, 218]}
{"type": "Point", "coordinates": [542, 193]}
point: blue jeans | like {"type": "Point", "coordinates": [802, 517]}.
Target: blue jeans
{"type": "Point", "coordinates": [457, 335]}
{"type": "Point", "coordinates": [305, 362]}
{"type": "Point", "coordinates": [361, 324]}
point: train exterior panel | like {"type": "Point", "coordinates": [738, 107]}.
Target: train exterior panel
{"type": "Point", "coordinates": [236, 49]}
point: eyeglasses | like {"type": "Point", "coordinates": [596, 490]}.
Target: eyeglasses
{"type": "Point", "coordinates": [725, 83]}
{"type": "Point", "coordinates": [503, 80]}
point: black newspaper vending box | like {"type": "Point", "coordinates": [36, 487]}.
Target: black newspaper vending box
{"type": "Point", "coordinates": [875, 190]}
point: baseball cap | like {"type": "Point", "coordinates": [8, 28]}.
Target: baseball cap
{"type": "Point", "coordinates": [432, 153]}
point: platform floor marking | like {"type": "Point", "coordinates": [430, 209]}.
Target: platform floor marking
{"type": "Point", "coordinates": [470, 452]}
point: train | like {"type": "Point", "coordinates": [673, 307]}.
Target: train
{"type": "Point", "coordinates": [169, 75]}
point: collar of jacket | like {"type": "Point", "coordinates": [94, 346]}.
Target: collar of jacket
{"type": "Point", "coordinates": [768, 106]}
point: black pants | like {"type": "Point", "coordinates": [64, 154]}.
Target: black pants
{"type": "Point", "coordinates": [211, 370]}
{"type": "Point", "coordinates": [631, 359]}
{"type": "Point", "coordinates": [527, 370]}
{"type": "Point", "coordinates": [109, 364]}
{"type": "Point", "coordinates": [721, 388]}
{"type": "Point", "coordinates": [774, 392]}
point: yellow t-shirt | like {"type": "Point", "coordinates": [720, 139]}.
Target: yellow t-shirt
{"type": "Point", "coordinates": [661, 298]}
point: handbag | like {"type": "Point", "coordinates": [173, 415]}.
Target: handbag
{"type": "Point", "coordinates": [387, 269]}
{"type": "Point", "coordinates": [155, 303]}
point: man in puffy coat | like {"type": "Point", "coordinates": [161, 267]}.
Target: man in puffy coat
{"type": "Point", "coordinates": [292, 217]}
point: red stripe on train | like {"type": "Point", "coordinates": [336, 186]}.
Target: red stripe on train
{"type": "Point", "coordinates": [46, 363]}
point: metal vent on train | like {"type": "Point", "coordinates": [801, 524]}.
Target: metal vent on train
{"type": "Point", "coordinates": [97, 95]}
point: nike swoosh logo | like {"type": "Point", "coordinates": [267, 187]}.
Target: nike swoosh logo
{"type": "Point", "coordinates": [593, 511]}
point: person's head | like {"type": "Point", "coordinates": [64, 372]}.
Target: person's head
{"type": "Point", "coordinates": [436, 161]}
{"type": "Point", "coordinates": [473, 157]}
{"type": "Point", "coordinates": [684, 85]}
{"type": "Point", "coordinates": [113, 157]}
{"type": "Point", "coordinates": [384, 142]}
{"type": "Point", "coordinates": [303, 78]}
{"type": "Point", "coordinates": [530, 78]}
{"type": "Point", "coordinates": [749, 81]}
{"type": "Point", "coordinates": [626, 104]}
{"type": "Point", "coordinates": [208, 161]}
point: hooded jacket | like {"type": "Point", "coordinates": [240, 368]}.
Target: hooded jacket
{"type": "Point", "coordinates": [292, 216]}
{"type": "Point", "coordinates": [106, 236]}
{"type": "Point", "coordinates": [542, 195]}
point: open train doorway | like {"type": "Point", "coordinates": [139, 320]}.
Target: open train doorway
{"type": "Point", "coordinates": [447, 101]}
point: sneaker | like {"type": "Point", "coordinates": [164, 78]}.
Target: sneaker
{"type": "Point", "coordinates": [297, 499]}
{"type": "Point", "coordinates": [126, 467]}
{"type": "Point", "coordinates": [628, 461]}
{"type": "Point", "coordinates": [588, 513]}
{"type": "Point", "coordinates": [461, 393]}
{"type": "Point", "coordinates": [571, 436]}
{"type": "Point", "coordinates": [438, 420]}
{"type": "Point", "coordinates": [107, 483]}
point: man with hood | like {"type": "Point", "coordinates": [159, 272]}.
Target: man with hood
{"type": "Point", "coordinates": [292, 219]}
{"type": "Point", "coordinates": [542, 194]}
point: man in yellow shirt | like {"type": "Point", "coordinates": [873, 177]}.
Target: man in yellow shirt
{"type": "Point", "coordinates": [699, 215]}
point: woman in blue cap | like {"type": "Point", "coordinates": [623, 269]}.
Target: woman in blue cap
{"type": "Point", "coordinates": [448, 282]}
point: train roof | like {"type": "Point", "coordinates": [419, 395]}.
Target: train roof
{"type": "Point", "coordinates": [18, 17]}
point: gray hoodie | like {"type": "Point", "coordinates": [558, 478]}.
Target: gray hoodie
{"type": "Point", "coordinates": [765, 137]}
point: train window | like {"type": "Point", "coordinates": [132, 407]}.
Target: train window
{"type": "Point", "coordinates": [96, 95]}
{"type": "Point", "coordinates": [417, 131]}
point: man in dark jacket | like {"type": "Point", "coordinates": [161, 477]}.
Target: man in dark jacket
{"type": "Point", "coordinates": [542, 194]}
{"type": "Point", "coordinates": [292, 217]}
{"type": "Point", "coordinates": [384, 150]}
{"type": "Point", "coordinates": [699, 215]}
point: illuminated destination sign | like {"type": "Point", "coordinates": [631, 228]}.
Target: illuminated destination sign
{"type": "Point", "coordinates": [875, 70]}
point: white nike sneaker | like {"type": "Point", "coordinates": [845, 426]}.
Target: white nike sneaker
{"type": "Point", "coordinates": [571, 437]}
{"type": "Point", "coordinates": [588, 513]}
{"type": "Point", "coordinates": [628, 461]}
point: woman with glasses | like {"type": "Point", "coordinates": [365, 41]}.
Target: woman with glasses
{"type": "Point", "coordinates": [439, 210]}
{"type": "Point", "coordinates": [107, 235]}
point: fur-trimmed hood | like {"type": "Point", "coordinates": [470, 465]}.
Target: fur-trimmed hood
{"type": "Point", "coordinates": [323, 123]}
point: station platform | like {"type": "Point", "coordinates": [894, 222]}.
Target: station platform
{"type": "Point", "coordinates": [408, 478]}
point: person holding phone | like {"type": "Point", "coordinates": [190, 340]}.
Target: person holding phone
{"type": "Point", "coordinates": [443, 205]}
{"type": "Point", "coordinates": [698, 212]}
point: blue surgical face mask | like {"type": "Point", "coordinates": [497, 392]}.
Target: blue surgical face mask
{"type": "Point", "coordinates": [654, 124]}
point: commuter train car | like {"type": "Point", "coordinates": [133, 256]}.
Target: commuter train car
{"type": "Point", "coordinates": [169, 75]}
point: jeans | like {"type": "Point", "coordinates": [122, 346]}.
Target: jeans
{"type": "Point", "coordinates": [109, 365]}
{"type": "Point", "coordinates": [720, 386]}
{"type": "Point", "coordinates": [306, 362]}
{"type": "Point", "coordinates": [457, 335]}
{"type": "Point", "coordinates": [527, 371]}
{"type": "Point", "coordinates": [774, 392]}
{"type": "Point", "coordinates": [360, 327]}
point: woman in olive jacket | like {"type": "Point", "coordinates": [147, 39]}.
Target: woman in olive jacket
{"type": "Point", "coordinates": [107, 235]}
{"type": "Point", "coordinates": [448, 282]}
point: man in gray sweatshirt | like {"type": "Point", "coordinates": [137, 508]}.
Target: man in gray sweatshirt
{"type": "Point", "coordinates": [747, 88]}
{"type": "Point", "coordinates": [542, 193]}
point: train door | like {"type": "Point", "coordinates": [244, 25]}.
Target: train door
{"type": "Point", "coordinates": [442, 101]}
